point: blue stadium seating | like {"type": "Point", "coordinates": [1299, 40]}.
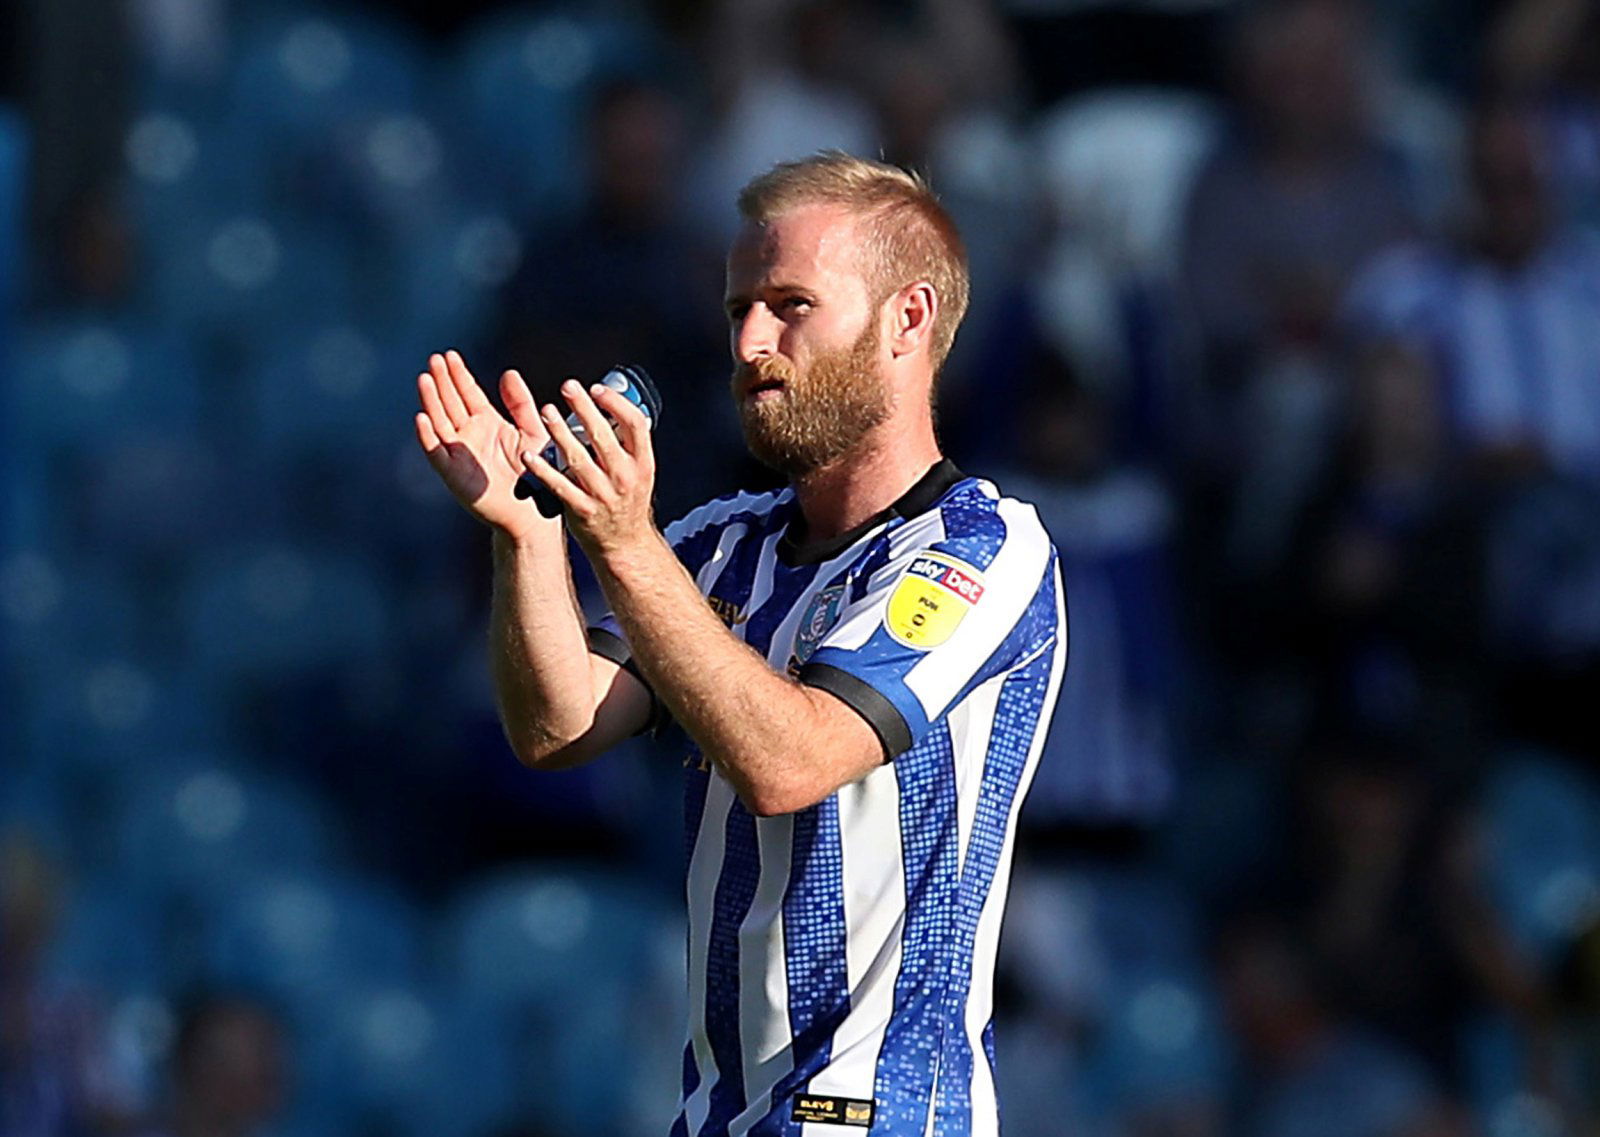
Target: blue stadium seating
{"type": "Point", "coordinates": [201, 829]}
{"type": "Point", "coordinates": [80, 376]}
{"type": "Point", "coordinates": [1543, 849]}
{"type": "Point", "coordinates": [115, 939]}
{"type": "Point", "coordinates": [302, 69]}
{"type": "Point", "coordinates": [408, 1059]}
{"type": "Point", "coordinates": [273, 610]}
{"type": "Point", "coordinates": [306, 937]}
{"type": "Point", "coordinates": [517, 94]}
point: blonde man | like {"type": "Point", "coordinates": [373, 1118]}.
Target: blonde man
{"type": "Point", "coordinates": [864, 663]}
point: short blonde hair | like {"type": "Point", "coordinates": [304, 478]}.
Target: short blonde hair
{"type": "Point", "coordinates": [908, 235]}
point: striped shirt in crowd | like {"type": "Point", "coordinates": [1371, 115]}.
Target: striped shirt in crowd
{"type": "Point", "coordinates": [1517, 352]}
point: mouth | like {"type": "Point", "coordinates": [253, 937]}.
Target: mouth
{"type": "Point", "coordinates": [763, 389]}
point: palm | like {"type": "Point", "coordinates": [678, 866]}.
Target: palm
{"type": "Point", "coordinates": [473, 447]}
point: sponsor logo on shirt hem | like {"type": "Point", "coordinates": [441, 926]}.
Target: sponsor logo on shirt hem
{"type": "Point", "coordinates": [832, 1110]}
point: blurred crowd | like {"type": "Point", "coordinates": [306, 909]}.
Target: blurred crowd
{"type": "Point", "coordinates": [1286, 314]}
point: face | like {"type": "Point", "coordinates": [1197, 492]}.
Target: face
{"type": "Point", "coordinates": [808, 376]}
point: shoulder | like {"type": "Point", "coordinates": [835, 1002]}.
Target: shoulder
{"type": "Point", "coordinates": [725, 510]}
{"type": "Point", "coordinates": [978, 524]}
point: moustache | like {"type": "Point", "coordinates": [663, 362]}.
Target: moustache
{"type": "Point", "coordinates": [775, 369]}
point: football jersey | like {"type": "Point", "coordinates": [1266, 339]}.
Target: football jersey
{"type": "Point", "coordinates": [841, 958]}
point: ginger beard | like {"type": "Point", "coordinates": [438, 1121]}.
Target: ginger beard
{"type": "Point", "coordinates": [821, 413]}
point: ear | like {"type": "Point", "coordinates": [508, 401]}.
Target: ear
{"type": "Point", "coordinates": [912, 312]}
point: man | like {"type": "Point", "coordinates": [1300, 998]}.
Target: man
{"type": "Point", "coordinates": [1506, 314]}
{"type": "Point", "coordinates": [864, 663]}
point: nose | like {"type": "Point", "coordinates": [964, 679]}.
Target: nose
{"type": "Point", "coordinates": [756, 335]}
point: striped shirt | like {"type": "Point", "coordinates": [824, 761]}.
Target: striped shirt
{"type": "Point", "coordinates": [1517, 352]}
{"type": "Point", "coordinates": [841, 958]}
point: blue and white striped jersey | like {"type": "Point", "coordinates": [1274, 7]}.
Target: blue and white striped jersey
{"type": "Point", "coordinates": [1518, 352]}
{"type": "Point", "coordinates": [841, 958]}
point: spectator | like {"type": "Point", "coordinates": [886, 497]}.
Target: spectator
{"type": "Point", "coordinates": [627, 280]}
{"type": "Point", "coordinates": [1309, 1072]}
{"type": "Point", "coordinates": [1278, 219]}
{"type": "Point", "coordinates": [1548, 51]}
{"type": "Point", "coordinates": [56, 1077]}
{"type": "Point", "coordinates": [1397, 921]}
{"type": "Point", "coordinates": [787, 77]}
{"type": "Point", "coordinates": [1284, 212]}
{"type": "Point", "coordinates": [1506, 312]}
{"type": "Point", "coordinates": [227, 1074]}
{"type": "Point", "coordinates": [1379, 595]}
{"type": "Point", "coordinates": [1107, 761]}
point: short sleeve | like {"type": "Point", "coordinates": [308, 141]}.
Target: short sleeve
{"type": "Point", "coordinates": [938, 619]}
{"type": "Point", "coordinates": [696, 540]}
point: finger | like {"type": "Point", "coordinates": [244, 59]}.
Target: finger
{"type": "Point", "coordinates": [432, 445]}
{"type": "Point", "coordinates": [520, 406]}
{"type": "Point", "coordinates": [433, 407]}
{"type": "Point", "coordinates": [581, 466]}
{"type": "Point", "coordinates": [632, 427]}
{"type": "Point", "coordinates": [608, 451]}
{"type": "Point", "coordinates": [567, 492]}
{"type": "Point", "coordinates": [455, 410]}
{"type": "Point", "coordinates": [466, 386]}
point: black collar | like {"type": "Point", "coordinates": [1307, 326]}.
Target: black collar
{"type": "Point", "coordinates": [929, 488]}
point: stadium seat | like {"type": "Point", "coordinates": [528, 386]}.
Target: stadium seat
{"type": "Point", "coordinates": [447, 282]}
{"type": "Point", "coordinates": [408, 1060]}
{"type": "Point", "coordinates": [579, 958]}
{"type": "Point", "coordinates": [183, 164]}
{"type": "Point", "coordinates": [1543, 849]}
{"type": "Point", "coordinates": [301, 70]}
{"type": "Point", "coordinates": [304, 938]}
{"type": "Point", "coordinates": [201, 828]}
{"type": "Point", "coordinates": [56, 607]}
{"type": "Point", "coordinates": [276, 610]}
{"type": "Point", "coordinates": [114, 939]}
{"type": "Point", "coordinates": [236, 279]}
{"type": "Point", "coordinates": [81, 375]}
{"type": "Point", "coordinates": [516, 96]}
{"type": "Point", "coordinates": [544, 935]}
{"type": "Point", "coordinates": [331, 385]}
{"type": "Point", "coordinates": [1161, 1040]}
{"type": "Point", "coordinates": [107, 723]}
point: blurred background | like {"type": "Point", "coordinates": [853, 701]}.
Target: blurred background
{"type": "Point", "coordinates": [1286, 314]}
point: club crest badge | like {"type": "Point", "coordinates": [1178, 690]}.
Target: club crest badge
{"type": "Point", "coordinates": [821, 614]}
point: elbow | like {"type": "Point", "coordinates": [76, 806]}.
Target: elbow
{"type": "Point", "coordinates": [775, 800]}
{"type": "Point", "coordinates": [548, 752]}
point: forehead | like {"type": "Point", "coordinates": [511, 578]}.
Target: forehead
{"type": "Point", "coordinates": [810, 244]}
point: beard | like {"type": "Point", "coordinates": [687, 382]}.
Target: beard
{"type": "Point", "coordinates": [821, 414]}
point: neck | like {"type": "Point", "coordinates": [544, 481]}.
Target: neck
{"type": "Point", "coordinates": [850, 490]}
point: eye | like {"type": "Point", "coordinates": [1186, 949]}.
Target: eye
{"type": "Point", "coordinates": [737, 312]}
{"type": "Point", "coordinates": [795, 304]}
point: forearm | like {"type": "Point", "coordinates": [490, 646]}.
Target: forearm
{"type": "Point", "coordinates": [538, 647]}
{"type": "Point", "coordinates": [768, 734]}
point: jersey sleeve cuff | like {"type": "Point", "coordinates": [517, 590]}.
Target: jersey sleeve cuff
{"type": "Point", "coordinates": [866, 701]}
{"type": "Point", "coordinates": [609, 645]}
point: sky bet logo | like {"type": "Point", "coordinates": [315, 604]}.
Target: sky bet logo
{"type": "Point", "coordinates": [968, 587]}
{"type": "Point", "coordinates": [935, 592]}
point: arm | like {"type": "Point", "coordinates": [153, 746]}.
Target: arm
{"type": "Point", "coordinates": [560, 705]}
{"type": "Point", "coordinates": [782, 745]}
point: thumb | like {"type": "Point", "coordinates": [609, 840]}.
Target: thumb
{"type": "Point", "coordinates": [521, 407]}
